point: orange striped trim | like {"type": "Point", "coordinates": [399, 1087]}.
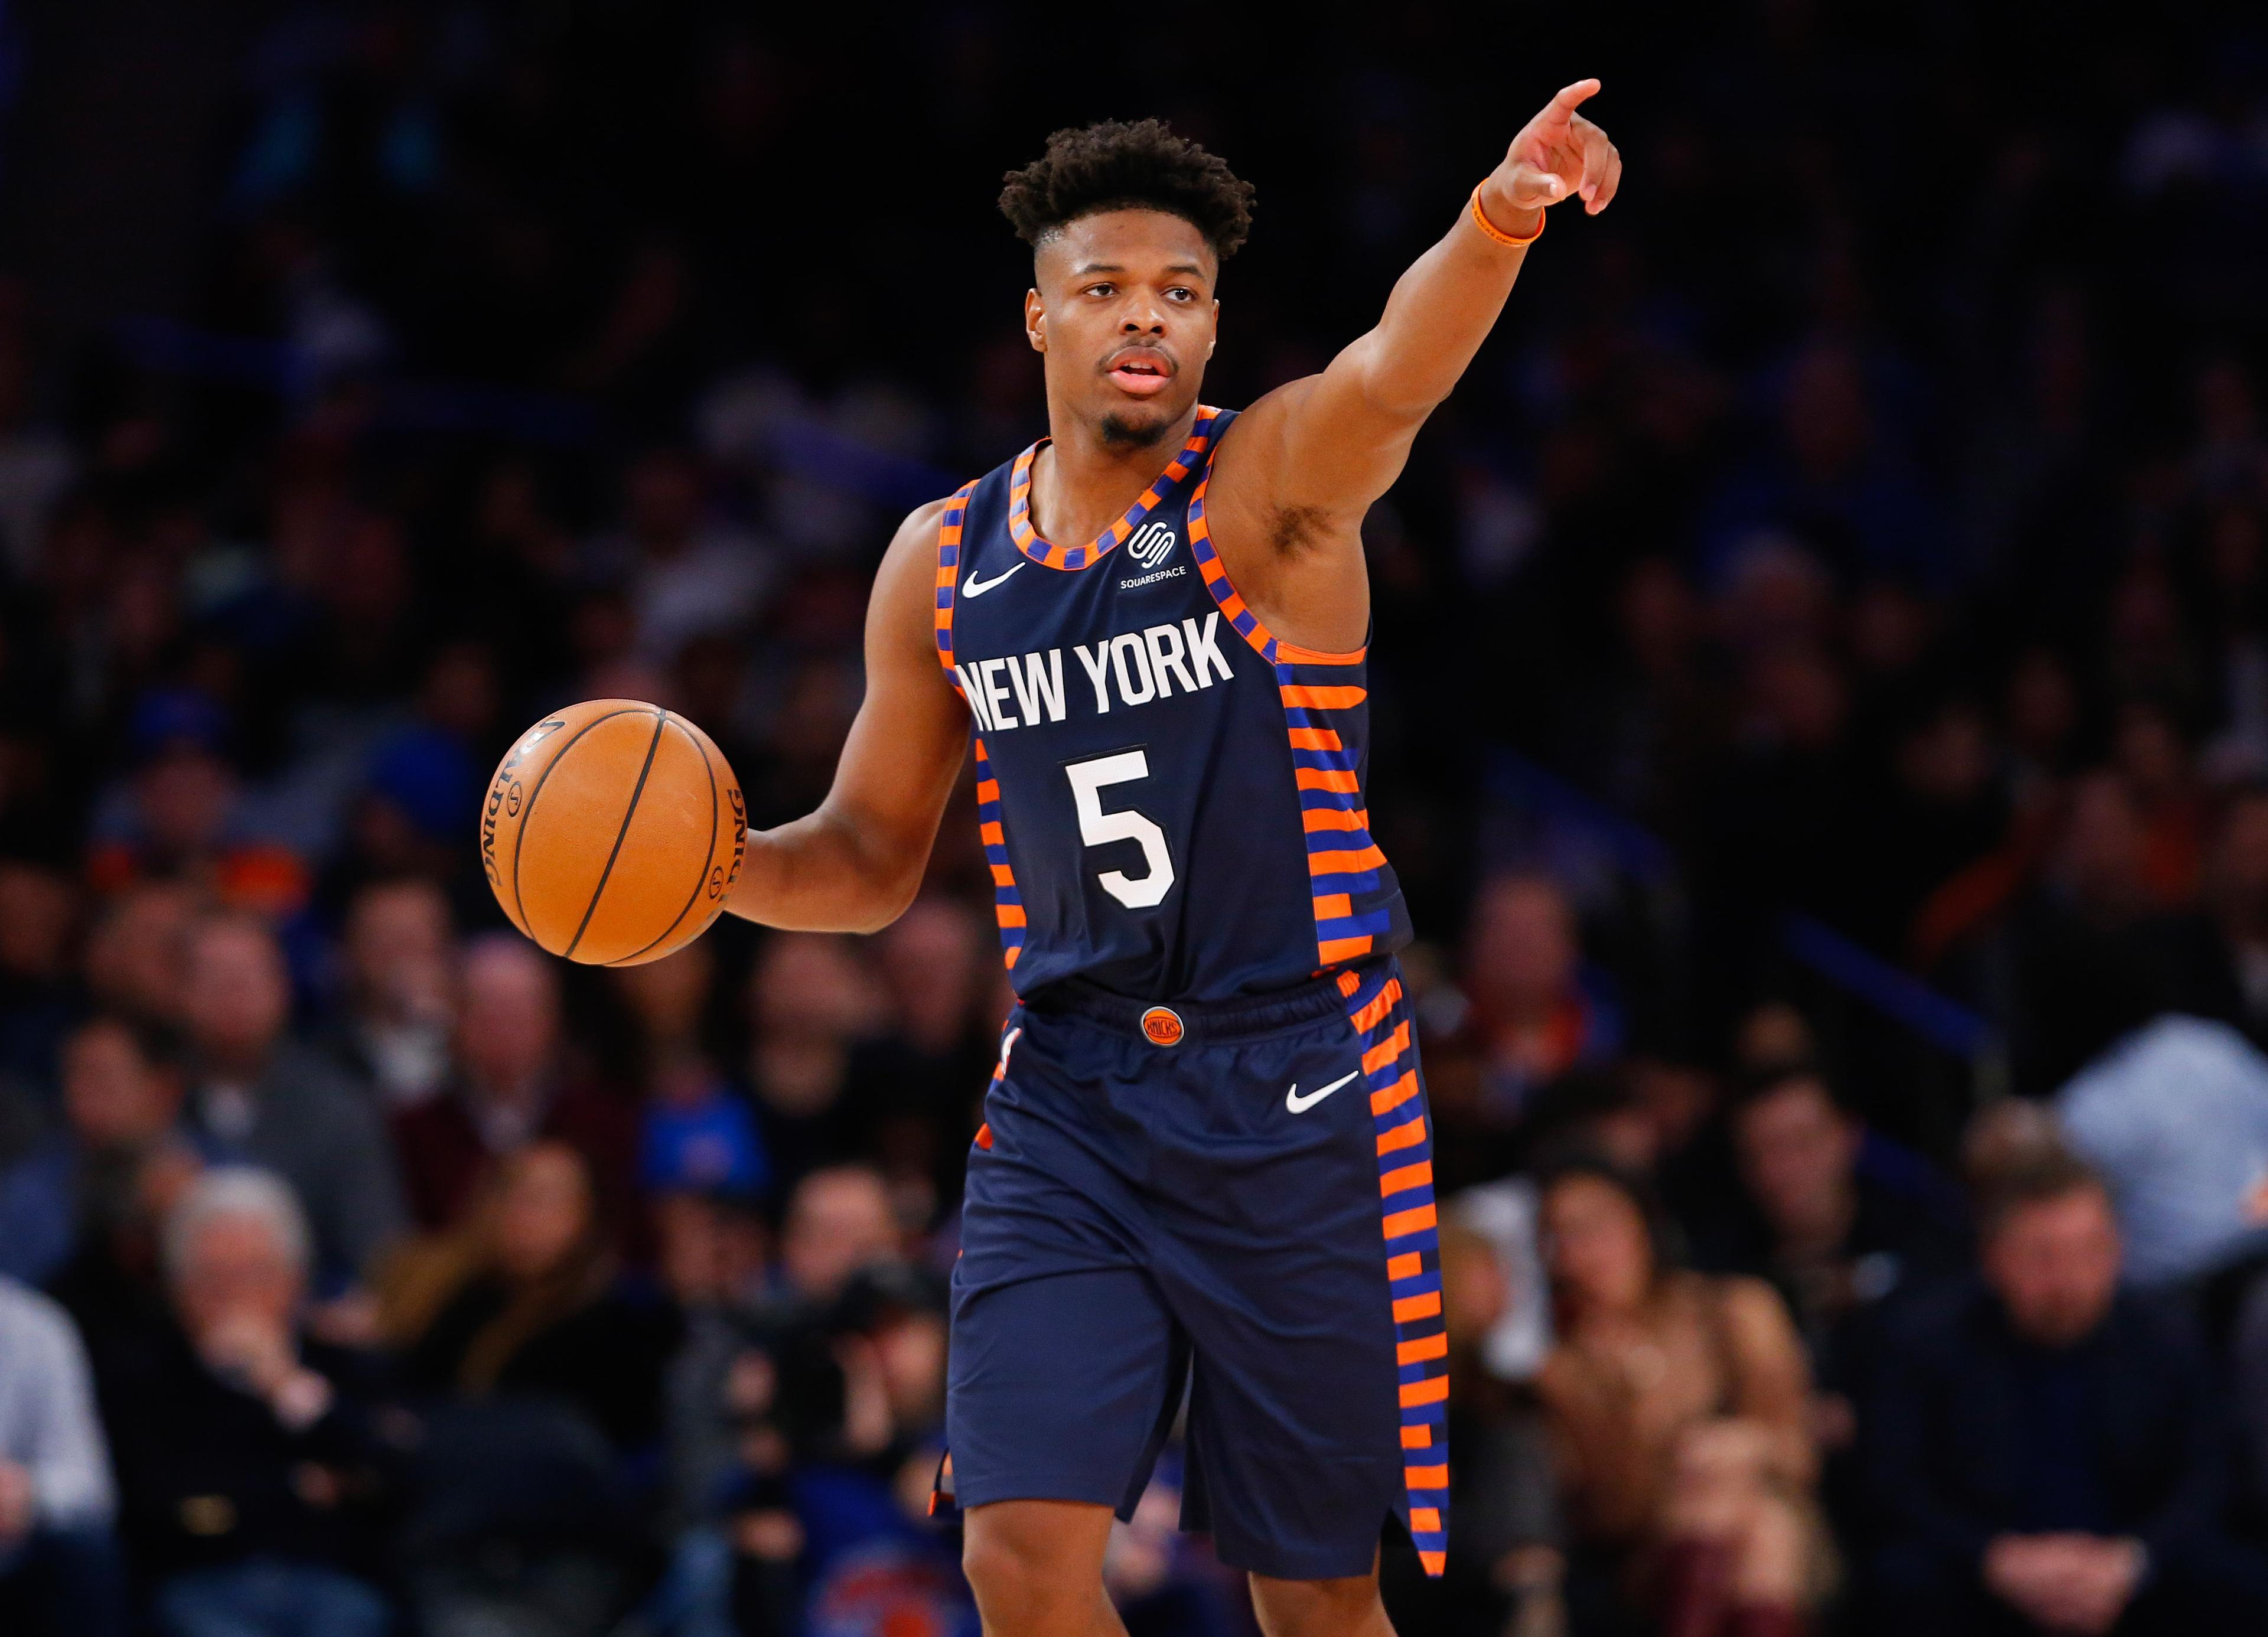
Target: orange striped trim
{"type": "Point", "coordinates": [1011, 955]}
{"type": "Point", "coordinates": [1414, 1220]}
{"type": "Point", "coordinates": [1327, 778]}
{"type": "Point", "coordinates": [984, 1135]}
{"type": "Point", "coordinates": [1003, 876]}
{"type": "Point", "coordinates": [1409, 1135]}
{"type": "Point", "coordinates": [1434, 1563]}
{"type": "Point", "coordinates": [1401, 1178]}
{"type": "Point", "coordinates": [1429, 1477]}
{"type": "Point", "coordinates": [1407, 1266]}
{"type": "Point", "coordinates": [1346, 864]}
{"type": "Point", "coordinates": [1299, 696]}
{"type": "Point", "coordinates": [1332, 906]}
{"type": "Point", "coordinates": [1331, 951]}
{"type": "Point", "coordinates": [1315, 739]}
{"type": "Point", "coordinates": [1371, 1016]}
{"type": "Point", "coordinates": [1395, 1094]}
{"type": "Point", "coordinates": [1419, 1437]}
{"type": "Point", "coordinates": [988, 789]}
{"type": "Point", "coordinates": [1426, 1519]}
{"type": "Point", "coordinates": [1417, 1353]}
{"type": "Point", "coordinates": [1386, 1050]}
{"type": "Point", "coordinates": [992, 833]}
{"type": "Point", "coordinates": [1009, 914]}
{"type": "Point", "coordinates": [1424, 1306]}
{"type": "Point", "coordinates": [1299, 656]}
{"type": "Point", "coordinates": [1417, 1393]}
{"type": "Point", "coordinates": [1315, 818]}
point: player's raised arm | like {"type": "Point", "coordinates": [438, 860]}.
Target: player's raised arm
{"type": "Point", "coordinates": [1319, 450]}
{"type": "Point", "coordinates": [856, 864]}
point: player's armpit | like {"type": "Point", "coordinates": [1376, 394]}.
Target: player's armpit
{"type": "Point", "coordinates": [856, 864]}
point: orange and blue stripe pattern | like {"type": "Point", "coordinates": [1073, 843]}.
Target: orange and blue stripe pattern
{"type": "Point", "coordinates": [1007, 903]}
{"type": "Point", "coordinates": [1323, 695]}
{"type": "Point", "coordinates": [1410, 1225]}
{"type": "Point", "coordinates": [948, 571]}
{"type": "Point", "coordinates": [1020, 502]}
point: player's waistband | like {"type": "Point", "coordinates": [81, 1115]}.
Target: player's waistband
{"type": "Point", "coordinates": [1216, 1023]}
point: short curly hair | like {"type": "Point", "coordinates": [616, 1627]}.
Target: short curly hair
{"type": "Point", "coordinates": [1118, 166]}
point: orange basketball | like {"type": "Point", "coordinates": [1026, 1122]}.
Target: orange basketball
{"type": "Point", "coordinates": [613, 832]}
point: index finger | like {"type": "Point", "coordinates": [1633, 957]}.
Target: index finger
{"type": "Point", "coordinates": [1569, 98]}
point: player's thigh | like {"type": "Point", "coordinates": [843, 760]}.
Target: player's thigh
{"type": "Point", "coordinates": [1060, 1388]}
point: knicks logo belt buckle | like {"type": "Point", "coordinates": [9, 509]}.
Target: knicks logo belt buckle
{"type": "Point", "coordinates": [1161, 1025]}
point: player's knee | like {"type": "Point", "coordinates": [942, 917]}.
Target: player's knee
{"type": "Point", "coordinates": [1319, 1608]}
{"type": "Point", "coordinates": [1020, 1562]}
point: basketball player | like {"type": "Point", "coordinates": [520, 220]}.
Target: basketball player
{"type": "Point", "coordinates": [1206, 1158]}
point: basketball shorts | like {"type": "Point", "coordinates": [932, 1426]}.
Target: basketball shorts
{"type": "Point", "coordinates": [1234, 1201]}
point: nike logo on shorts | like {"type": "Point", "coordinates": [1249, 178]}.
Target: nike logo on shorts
{"type": "Point", "coordinates": [976, 586]}
{"type": "Point", "coordinates": [1300, 1104]}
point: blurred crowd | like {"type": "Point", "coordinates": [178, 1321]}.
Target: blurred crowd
{"type": "Point", "coordinates": [1863, 528]}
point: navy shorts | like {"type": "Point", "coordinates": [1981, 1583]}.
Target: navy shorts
{"type": "Point", "coordinates": [1236, 1200]}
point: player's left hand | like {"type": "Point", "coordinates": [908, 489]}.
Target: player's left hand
{"type": "Point", "coordinates": [1558, 155]}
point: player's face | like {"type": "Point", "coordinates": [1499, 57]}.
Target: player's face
{"type": "Point", "coordinates": [1124, 312]}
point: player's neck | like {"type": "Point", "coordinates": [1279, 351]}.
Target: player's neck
{"type": "Point", "coordinates": [1084, 481]}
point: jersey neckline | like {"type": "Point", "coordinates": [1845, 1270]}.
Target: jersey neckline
{"type": "Point", "coordinates": [1051, 556]}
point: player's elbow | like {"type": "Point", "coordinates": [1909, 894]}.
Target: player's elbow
{"type": "Point", "coordinates": [882, 904]}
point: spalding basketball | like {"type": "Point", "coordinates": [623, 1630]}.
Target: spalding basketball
{"type": "Point", "coordinates": [612, 833]}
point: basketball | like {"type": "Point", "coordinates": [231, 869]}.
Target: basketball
{"type": "Point", "coordinates": [612, 832]}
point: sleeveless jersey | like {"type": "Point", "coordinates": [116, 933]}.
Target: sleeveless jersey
{"type": "Point", "coordinates": [1171, 800]}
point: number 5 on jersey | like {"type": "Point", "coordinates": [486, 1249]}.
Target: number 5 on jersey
{"type": "Point", "coordinates": [1099, 828]}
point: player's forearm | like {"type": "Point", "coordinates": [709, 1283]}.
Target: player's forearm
{"type": "Point", "coordinates": [1440, 312]}
{"type": "Point", "coordinates": [823, 874]}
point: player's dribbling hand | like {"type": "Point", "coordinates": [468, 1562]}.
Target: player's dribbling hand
{"type": "Point", "coordinates": [1558, 155]}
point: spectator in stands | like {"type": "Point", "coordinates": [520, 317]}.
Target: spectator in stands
{"type": "Point", "coordinates": [698, 1134]}
{"type": "Point", "coordinates": [528, 1300]}
{"type": "Point", "coordinates": [513, 1085]}
{"type": "Point", "coordinates": [2236, 898]}
{"type": "Point", "coordinates": [122, 1100]}
{"type": "Point", "coordinates": [2175, 1120]}
{"type": "Point", "coordinates": [398, 998]}
{"type": "Point", "coordinates": [39, 906]}
{"type": "Point", "coordinates": [921, 1083]}
{"type": "Point", "coordinates": [1846, 1216]}
{"type": "Point", "coordinates": [540, 1375]}
{"type": "Point", "coordinates": [248, 1470]}
{"type": "Point", "coordinates": [838, 1221]}
{"type": "Point", "coordinates": [1535, 1010]}
{"type": "Point", "coordinates": [60, 1574]}
{"type": "Point", "coordinates": [2045, 1451]}
{"type": "Point", "coordinates": [259, 1095]}
{"type": "Point", "coordinates": [1679, 1405]}
{"type": "Point", "coordinates": [811, 999]}
{"type": "Point", "coordinates": [2094, 953]}
{"type": "Point", "coordinates": [137, 953]}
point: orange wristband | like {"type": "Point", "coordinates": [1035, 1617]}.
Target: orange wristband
{"type": "Point", "coordinates": [1480, 217]}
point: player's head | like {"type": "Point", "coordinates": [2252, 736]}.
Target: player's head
{"type": "Point", "coordinates": [1128, 225]}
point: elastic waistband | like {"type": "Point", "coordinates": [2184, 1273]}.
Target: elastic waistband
{"type": "Point", "coordinates": [1218, 1023]}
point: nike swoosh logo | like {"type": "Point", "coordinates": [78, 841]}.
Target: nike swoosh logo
{"type": "Point", "coordinates": [974, 586]}
{"type": "Point", "coordinates": [1300, 1104]}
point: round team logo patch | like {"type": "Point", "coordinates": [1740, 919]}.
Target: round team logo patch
{"type": "Point", "coordinates": [1162, 1026]}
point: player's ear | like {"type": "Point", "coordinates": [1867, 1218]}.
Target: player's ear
{"type": "Point", "coordinates": [1036, 321]}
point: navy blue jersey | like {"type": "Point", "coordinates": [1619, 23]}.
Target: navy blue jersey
{"type": "Point", "coordinates": [1172, 800]}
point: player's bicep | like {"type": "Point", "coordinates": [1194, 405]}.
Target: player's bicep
{"type": "Point", "coordinates": [1333, 447]}
{"type": "Point", "coordinates": [906, 744]}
